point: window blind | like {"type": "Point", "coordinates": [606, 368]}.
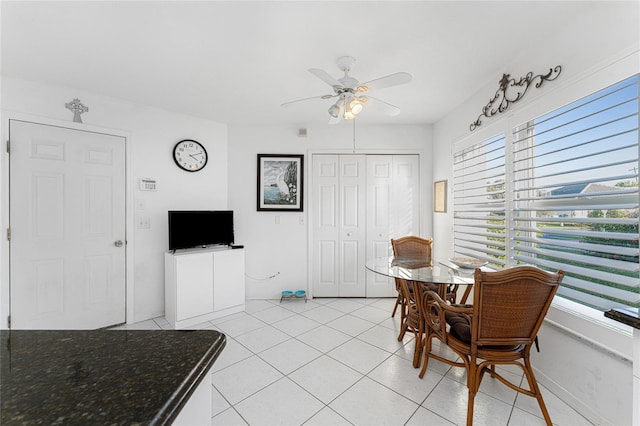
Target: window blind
{"type": "Point", "coordinates": [575, 199]}
{"type": "Point", "coordinates": [479, 201]}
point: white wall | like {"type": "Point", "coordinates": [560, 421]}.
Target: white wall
{"type": "Point", "coordinates": [228, 181]}
{"type": "Point", "coordinates": [584, 359]}
{"type": "Point", "coordinates": [277, 242]}
{"type": "Point", "coordinates": [152, 135]}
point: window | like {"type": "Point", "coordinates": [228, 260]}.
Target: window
{"type": "Point", "coordinates": [570, 198]}
{"type": "Point", "coordinates": [479, 201]}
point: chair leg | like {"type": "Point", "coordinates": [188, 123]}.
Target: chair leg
{"type": "Point", "coordinates": [465, 295]}
{"type": "Point", "coordinates": [426, 351]}
{"type": "Point", "coordinates": [403, 310]}
{"type": "Point", "coordinates": [395, 307]}
{"type": "Point", "coordinates": [473, 385]}
{"type": "Point", "coordinates": [417, 352]}
{"type": "Point", "coordinates": [420, 335]}
{"type": "Point", "coordinates": [403, 329]}
{"type": "Point", "coordinates": [533, 386]}
{"type": "Point", "coordinates": [472, 396]}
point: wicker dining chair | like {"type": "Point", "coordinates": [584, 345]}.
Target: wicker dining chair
{"type": "Point", "coordinates": [410, 246]}
{"type": "Point", "coordinates": [410, 318]}
{"type": "Point", "coordinates": [412, 321]}
{"type": "Point", "coordinates": [498, 329]}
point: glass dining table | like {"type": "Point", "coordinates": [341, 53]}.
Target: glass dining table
{"type": "Point", "coordinates": [419, 270]}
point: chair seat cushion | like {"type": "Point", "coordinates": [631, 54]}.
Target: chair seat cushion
{"type": "Point", "coordinates": [460, 326]}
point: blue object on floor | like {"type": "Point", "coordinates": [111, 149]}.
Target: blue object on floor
{"type": "Point", "coordinates": [299, 294]}
{"type": "Point", "coordinates": [286, 294]}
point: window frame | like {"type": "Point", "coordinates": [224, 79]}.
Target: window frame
{"type": "Point", "coordinates": [578, 87]}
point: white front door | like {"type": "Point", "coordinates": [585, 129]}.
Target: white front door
{"type": "Point", "coordinates": [67, 222]}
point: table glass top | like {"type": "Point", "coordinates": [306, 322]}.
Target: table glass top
{"type": "Point", "coordinates": [437, 271]}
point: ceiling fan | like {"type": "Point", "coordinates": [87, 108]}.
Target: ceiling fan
{"type": "Point", "coordinates": [353, 95]}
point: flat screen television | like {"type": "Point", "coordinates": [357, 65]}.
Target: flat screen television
{"type": "Point", "coordinates": [200, 228]}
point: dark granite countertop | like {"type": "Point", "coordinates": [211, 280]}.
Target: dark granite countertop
{"type": "Point", "coordinates": [119, 377]}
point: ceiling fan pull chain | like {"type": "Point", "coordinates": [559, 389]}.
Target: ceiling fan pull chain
{"type": "Point", "coordinates": [354, 135]}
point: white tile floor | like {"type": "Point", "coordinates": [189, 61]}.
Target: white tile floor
{"type": "Point", "coordinates": [338, 362]}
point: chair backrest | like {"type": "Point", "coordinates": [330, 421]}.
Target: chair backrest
{"type": "Point", "coordinates": [412, 246]}
{"type": "Point", "coordinates": [510, 305]}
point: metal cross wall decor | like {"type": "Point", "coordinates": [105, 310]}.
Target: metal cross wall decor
{"type": "Point", "coordinates": [78, 108]}
{"type": "Point", "coordinates": [511, 91]}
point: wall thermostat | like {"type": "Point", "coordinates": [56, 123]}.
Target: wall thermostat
{"type": "Point", "coordinates": [148, 185]}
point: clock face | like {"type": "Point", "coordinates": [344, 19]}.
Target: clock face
{"type": "Point", "coordinates": [190, 155]}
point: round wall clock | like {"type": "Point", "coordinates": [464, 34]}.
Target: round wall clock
{"type": "Point", "coordinates": [190, 155]}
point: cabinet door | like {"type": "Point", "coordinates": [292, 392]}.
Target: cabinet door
{"type": "Point", "coordinates": [228, 279]}
{"type": "Point", "coordinates": [194, 290]}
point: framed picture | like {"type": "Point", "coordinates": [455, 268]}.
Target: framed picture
{"type": "Point", "coordinates": [440, 196]}
{"type": "Point", "coordinates": [280, 182]}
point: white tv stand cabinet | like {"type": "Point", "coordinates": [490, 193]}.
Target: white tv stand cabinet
{"type": "Point", "coordinates": [202, 284]}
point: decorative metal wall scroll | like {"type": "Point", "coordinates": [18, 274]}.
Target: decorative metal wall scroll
{"type": "Point", "coordinates": [511, 91]}
{"type": "Point", "coordinates": [78, 108]}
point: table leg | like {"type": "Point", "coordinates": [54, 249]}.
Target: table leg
{"type": "Point", "coordinates": [417, 352]}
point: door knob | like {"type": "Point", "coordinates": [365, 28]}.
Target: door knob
{"type": "Point", "coordinates": [118, 243]}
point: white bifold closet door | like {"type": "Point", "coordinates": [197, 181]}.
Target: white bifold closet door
{"type": "Point", "coordinates": [359, 202]}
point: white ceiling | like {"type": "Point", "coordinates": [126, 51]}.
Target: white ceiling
{"type": "Point", "coordinates": [236, 62]}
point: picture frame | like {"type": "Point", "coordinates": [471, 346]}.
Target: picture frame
{"type": "Point", "coordinates": [280, 185]}
{"type": "Point", "coordinates": [440, 196]}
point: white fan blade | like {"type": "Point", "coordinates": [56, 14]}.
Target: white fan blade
{"type": "Point", "coordinates": [386, 81]}
{"type": "Point", "coordinates": [383, 106]}
{"type": "Point", "coordinates": [324, 76]}
{"type": "Point", "coordinates": [286, 104]}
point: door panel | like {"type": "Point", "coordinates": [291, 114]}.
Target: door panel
{"type": "Point", "coordinates": [48, 286]}
{"type": "Point", "coordinates": [324, 213]}
{"type": "Point", "coordinates": [379, 181]}
{"type": "Point", "coordinates": [327, 260]}
{"type": "Point", "coordinates": [405, 204]}
{"type": "Point", "coordinates": [67, 208]}
{"type": "Point", "coordinates": [352, 182]}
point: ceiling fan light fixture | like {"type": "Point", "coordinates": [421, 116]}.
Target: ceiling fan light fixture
{"type": "Point", "coordinates": [355, 106]}
{"type": "Point", "coordinates": [334, 110]}
{"type": "Point", "coordinates": [348, 115]}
